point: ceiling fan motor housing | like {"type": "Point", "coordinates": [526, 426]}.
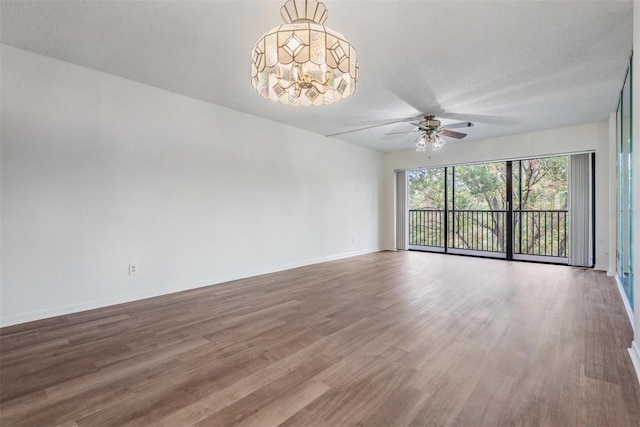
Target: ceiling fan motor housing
{"type": "Point", "coordinates": [431, 124]}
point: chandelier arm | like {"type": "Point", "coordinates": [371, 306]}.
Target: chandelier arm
{"type": "Point", "coordinates": [320, 87]}
{"type": "Point", "coordinates": [295, 83]}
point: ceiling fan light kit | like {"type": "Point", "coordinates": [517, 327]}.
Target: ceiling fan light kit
{"type": "Point", "coordinates": [302, 62]}
{"type": "Point", "coordinates": [429, 141]}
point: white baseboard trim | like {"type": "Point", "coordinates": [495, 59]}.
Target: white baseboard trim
{"type": "Point", "coordinates": [600, 267]}
{"type": "Point", "coordinates": [625, 301]}
{"type": "Point", "coordinates": [91, 305]}
{"type": "Point", "coordinates": [634, 352]}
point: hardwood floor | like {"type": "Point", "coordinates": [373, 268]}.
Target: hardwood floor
{"type": "Point", "coordinates": [386, 339]}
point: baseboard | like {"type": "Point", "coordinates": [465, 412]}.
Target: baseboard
{"type": "Point", "coordinates": [625, 301]}
{"type": "Point", "coordinates": [91, 305]}
{"type": "Point", "coordinates": [634, 352]}
{"type": "Point", "coordinates": [600, 267]}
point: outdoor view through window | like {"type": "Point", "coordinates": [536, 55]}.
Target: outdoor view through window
{"type": "Point", "coordinates": [492, 208]}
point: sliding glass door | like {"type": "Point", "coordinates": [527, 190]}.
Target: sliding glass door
{"type": "Point", "coordinates": [478, 213]}
{"type": "Point", "coordinates": [514, 209]}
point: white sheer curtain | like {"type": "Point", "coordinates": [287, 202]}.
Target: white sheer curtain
{"type": "Point", "coordinates": [580, 210]}
{"type": "Point", "coordinates": [402, 210]}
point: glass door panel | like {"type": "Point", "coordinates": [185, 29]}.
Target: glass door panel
{"type": "Point", "coordinates": [427, 208]}
{"type": "Point", "coordinates": [540, 209]}
{"type": "Point", "coordinates": [478, 215]}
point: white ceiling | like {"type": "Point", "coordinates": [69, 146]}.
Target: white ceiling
{"type": "Point", "coordinates": [509, 66]}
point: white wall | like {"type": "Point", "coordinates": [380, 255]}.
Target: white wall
{"type": "Point", "coordinates": [589, 137]}
{"type": "Point", "coordinates": [100, 171]}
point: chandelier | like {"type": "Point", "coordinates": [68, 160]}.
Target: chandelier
{"type": "Point", "coordinates": [429, 140]}
{"type": "Point", "coordinates": [302, 62]}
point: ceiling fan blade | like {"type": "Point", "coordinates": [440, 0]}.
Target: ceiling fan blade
{"type": "Point", "coordinates": [458, 125]}
{"type": "Point", "coordinates": [375, 126]}
{"type": "Point", "coordinates": [453, 134]}
{"type": "Point", "coordinates": [478, 118]}
{"type": "Point", "coordinates": [397, 133]}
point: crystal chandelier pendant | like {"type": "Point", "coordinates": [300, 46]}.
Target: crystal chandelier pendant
{"type": "Point", "coordinates": [302, 62]}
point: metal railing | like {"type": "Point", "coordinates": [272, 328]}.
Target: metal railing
{"type": "Point", "coordinates": [426, 227]}
{"type": "Point", "coordinates": [539, 232]}
{"type": "Point", "coordinates": [535, 232]}
{"type": "Point", "coordinates": [478, 230]}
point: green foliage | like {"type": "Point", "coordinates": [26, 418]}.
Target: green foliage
{"type": "Point", "coordinates": [426, 188]}
{"type": "Point", "coordinates": [483, 186]}
{"type": "Point", "coordinates": [480, 187]}
{"type": "Point", "coordinates": [544, 184]}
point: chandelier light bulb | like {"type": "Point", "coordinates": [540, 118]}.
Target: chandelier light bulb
{"type": "Point", "coordinates": [303, 55]}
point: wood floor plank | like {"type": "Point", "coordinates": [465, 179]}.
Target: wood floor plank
{"type": "Point", "coordinates": [384, 339]}
{"type": "Point", "coordinates": [286, 406]}
{"type": "Point", "coordinates": [245, 409]}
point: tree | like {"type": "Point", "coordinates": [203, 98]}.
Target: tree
{"type": "Point", "coordinates": [426, 188]}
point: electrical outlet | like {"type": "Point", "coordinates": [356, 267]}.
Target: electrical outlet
{"type": "Point", "coordinates": [133, 269]}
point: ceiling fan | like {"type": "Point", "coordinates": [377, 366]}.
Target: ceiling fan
{"type": "Point", "coordinates": [431, 130]}
{"type": "Point", "coordinates": [430, 124]}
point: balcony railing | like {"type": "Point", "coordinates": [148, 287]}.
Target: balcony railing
{"type": "Point", "coordinates": [426, 227]}
{"type": "Point", "coordinates": [479, 230]}
{"type": "Point", "coordinates": [541, 232]}
{"type": "Point", "coordinates": [535, 232]}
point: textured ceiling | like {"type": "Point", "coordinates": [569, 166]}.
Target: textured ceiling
{"type": "Point", "coordinates": [509, 66]}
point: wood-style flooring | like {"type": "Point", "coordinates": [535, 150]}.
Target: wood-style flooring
{"type": "Point", "coordinates": [385, 339]}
